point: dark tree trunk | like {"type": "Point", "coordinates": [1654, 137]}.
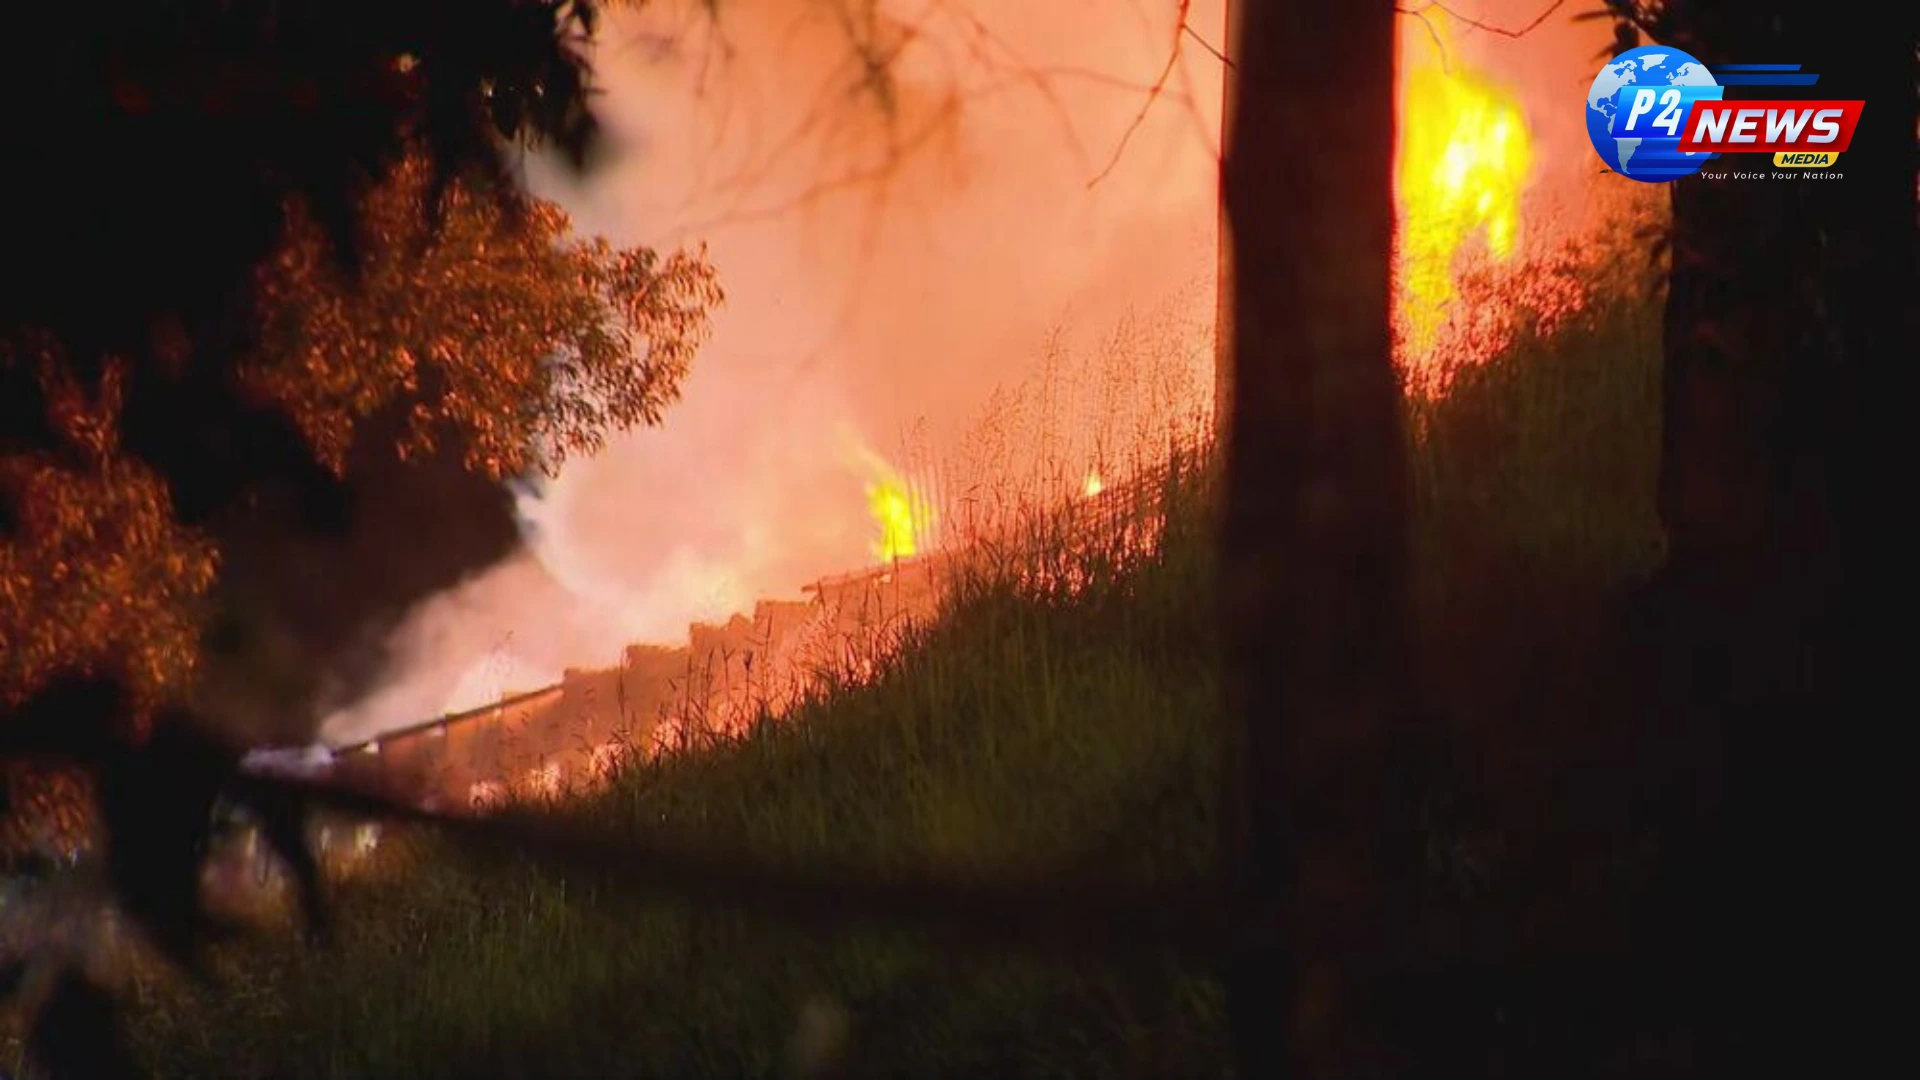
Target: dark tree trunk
{"type": "Point", "coordinates": [1223, 308]}
{"type": "Point", "coordinates": [1314, 537]}
{"type": "Point", "coordinates": [1790, 341]}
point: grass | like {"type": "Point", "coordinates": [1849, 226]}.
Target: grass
{"type": "Point", "coordinates": [1033, 726]}
{"type": "Point", "coordinates": [1021, 731]}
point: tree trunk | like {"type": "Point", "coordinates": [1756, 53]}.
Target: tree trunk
{"type": "Point", "coordinates": [1314, 537]}
{"type": "Point", "coordinates": [1789, 341]}
{"type": "Point", "coordinates": [1223, 281]}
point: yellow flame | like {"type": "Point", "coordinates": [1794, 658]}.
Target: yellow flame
{"type": "Point", "coordinates": [901, 516]}
{"type": "Point", "coordinates": [1464, 158]}
{"type": "Point", "coordinates": [1093, 484]}
{"type": "Point", "coordinates": [899, 508]}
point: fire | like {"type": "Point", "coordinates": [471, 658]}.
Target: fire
{"type": "Point", "coordinates": [605, 759]}
{"type": "Point", "coordinates": [1093, 485]}
{"type": "Point", "coordinates": [544, 780]}
{"type": "Point", "coordinates": [901, 515]}
{"type": "Point", "coordinates": [899, 508]}
{"type": "Point", "coordinates": [1465, 156]}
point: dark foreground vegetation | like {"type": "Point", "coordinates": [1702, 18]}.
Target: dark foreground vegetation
{"type": "Point", "coordinates": [1033, 729]}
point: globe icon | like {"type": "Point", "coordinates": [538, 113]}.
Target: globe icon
{"type": "Point", "coordinates": [1649, 153]}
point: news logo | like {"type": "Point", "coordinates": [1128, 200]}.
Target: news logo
{"type": "Point", "coordinates": [1656, 114]}
{"type": "Point", "coordinates": [1636, 109]}
{"type": "Point", "coordinates": [1800, 130]}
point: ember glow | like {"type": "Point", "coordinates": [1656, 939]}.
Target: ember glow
{"type": "Point", "coordinates": [605, 760]}
{"type": "Point", "coordinates": [1465, 156]}
{"type": "Point", "coordinates": [544, 780]}
{"type": "Point", "coordinates": [1093, 485]}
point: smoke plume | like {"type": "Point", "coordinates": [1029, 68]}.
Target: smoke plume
{"type": "Point", "coordinates": [903, 198]}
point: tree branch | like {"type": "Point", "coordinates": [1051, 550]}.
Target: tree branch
{"type": "Point", "coordinates": [1207, 45]}
{"type": "Point", "coordinates": [1153, 94]}
{"type": "Point", "coordinates": [1437, 5]}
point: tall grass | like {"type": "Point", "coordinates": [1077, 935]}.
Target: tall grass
{"type": "Point", "coordinates": [1030, 727]}
{"type": "Point", "coordinates": [1060, 712]}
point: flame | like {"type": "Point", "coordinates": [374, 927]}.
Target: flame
{"type": "Point", "coordinates": [544, 780]}
{"type": "Point", "coordinates": [1093, 485]}
{"type": "Point", "coordinates": [605, 759]}
{"type": "Point", "coordinates": [899, 508]}
{"type": "Point", "coordinates": [901, 515]}
{"type": "Point", "coordinates": [1465, 156]}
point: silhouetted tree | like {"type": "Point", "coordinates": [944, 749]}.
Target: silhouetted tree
{"type": "Point", "coordinates": [1314, 540]}
{"type": "Point", "coordinates": [1223, 264]}
{"type": "Point", "coordinates": [257, 247]}
{"type": "Point", "coordinates": [506, 340]}
{"type": "Point", "coordinates": [219, 324]}
{"type": "Point", "coordinates": [1789, 341]}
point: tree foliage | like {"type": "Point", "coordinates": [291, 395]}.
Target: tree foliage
{"type": "Point", "coordinates": [163, 148]}
{"type": "Point", "coordinates": [260, 250]}
{"type": "Point", "coordinates": [520, 343]}
{"type": "Point", "coordinates": [501, 336]}
{"type": "Point", "coordinates": [245, 237]}
{"type": "Point", "coordinates": [95, 573]}
{"type": "Point", "coordinates": [165, 136]}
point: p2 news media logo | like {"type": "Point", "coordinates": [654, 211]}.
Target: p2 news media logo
{"type": "Point", "coordinates": [1655, 114]}
{"type": "Point", "coordinates": [1803, 132]}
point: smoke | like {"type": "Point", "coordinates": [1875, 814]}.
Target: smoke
{"type": "Point", "coordinates": [305, 604]}
{"type": "Point", "coordinates": [902, 197]}
{"type": "Point", "coordinates": [900, 200]}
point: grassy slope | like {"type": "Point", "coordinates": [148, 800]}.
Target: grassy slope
{"type": "Point", "coordinates": [1021, 732]}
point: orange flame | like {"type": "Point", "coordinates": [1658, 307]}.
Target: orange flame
{"type": "Point", "coordinates": [1093, 485]}
{"type": "Point", "coordinates": [1465, 156]}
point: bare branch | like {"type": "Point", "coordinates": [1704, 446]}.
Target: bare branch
{"type": "Point", "coordinates": [1437, 5]}
{"type": "Point", "coordinates": [1185, 30]}
{"type": "Point", "coordinates": [1207, 45]}
{"type": "Point", "coordinates": [1433, 32]}
{"type": "Point", "coordinates": [1153, 95]}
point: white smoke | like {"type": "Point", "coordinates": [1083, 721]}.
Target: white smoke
{"type": "Point", "coordinates": [891, 253]}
